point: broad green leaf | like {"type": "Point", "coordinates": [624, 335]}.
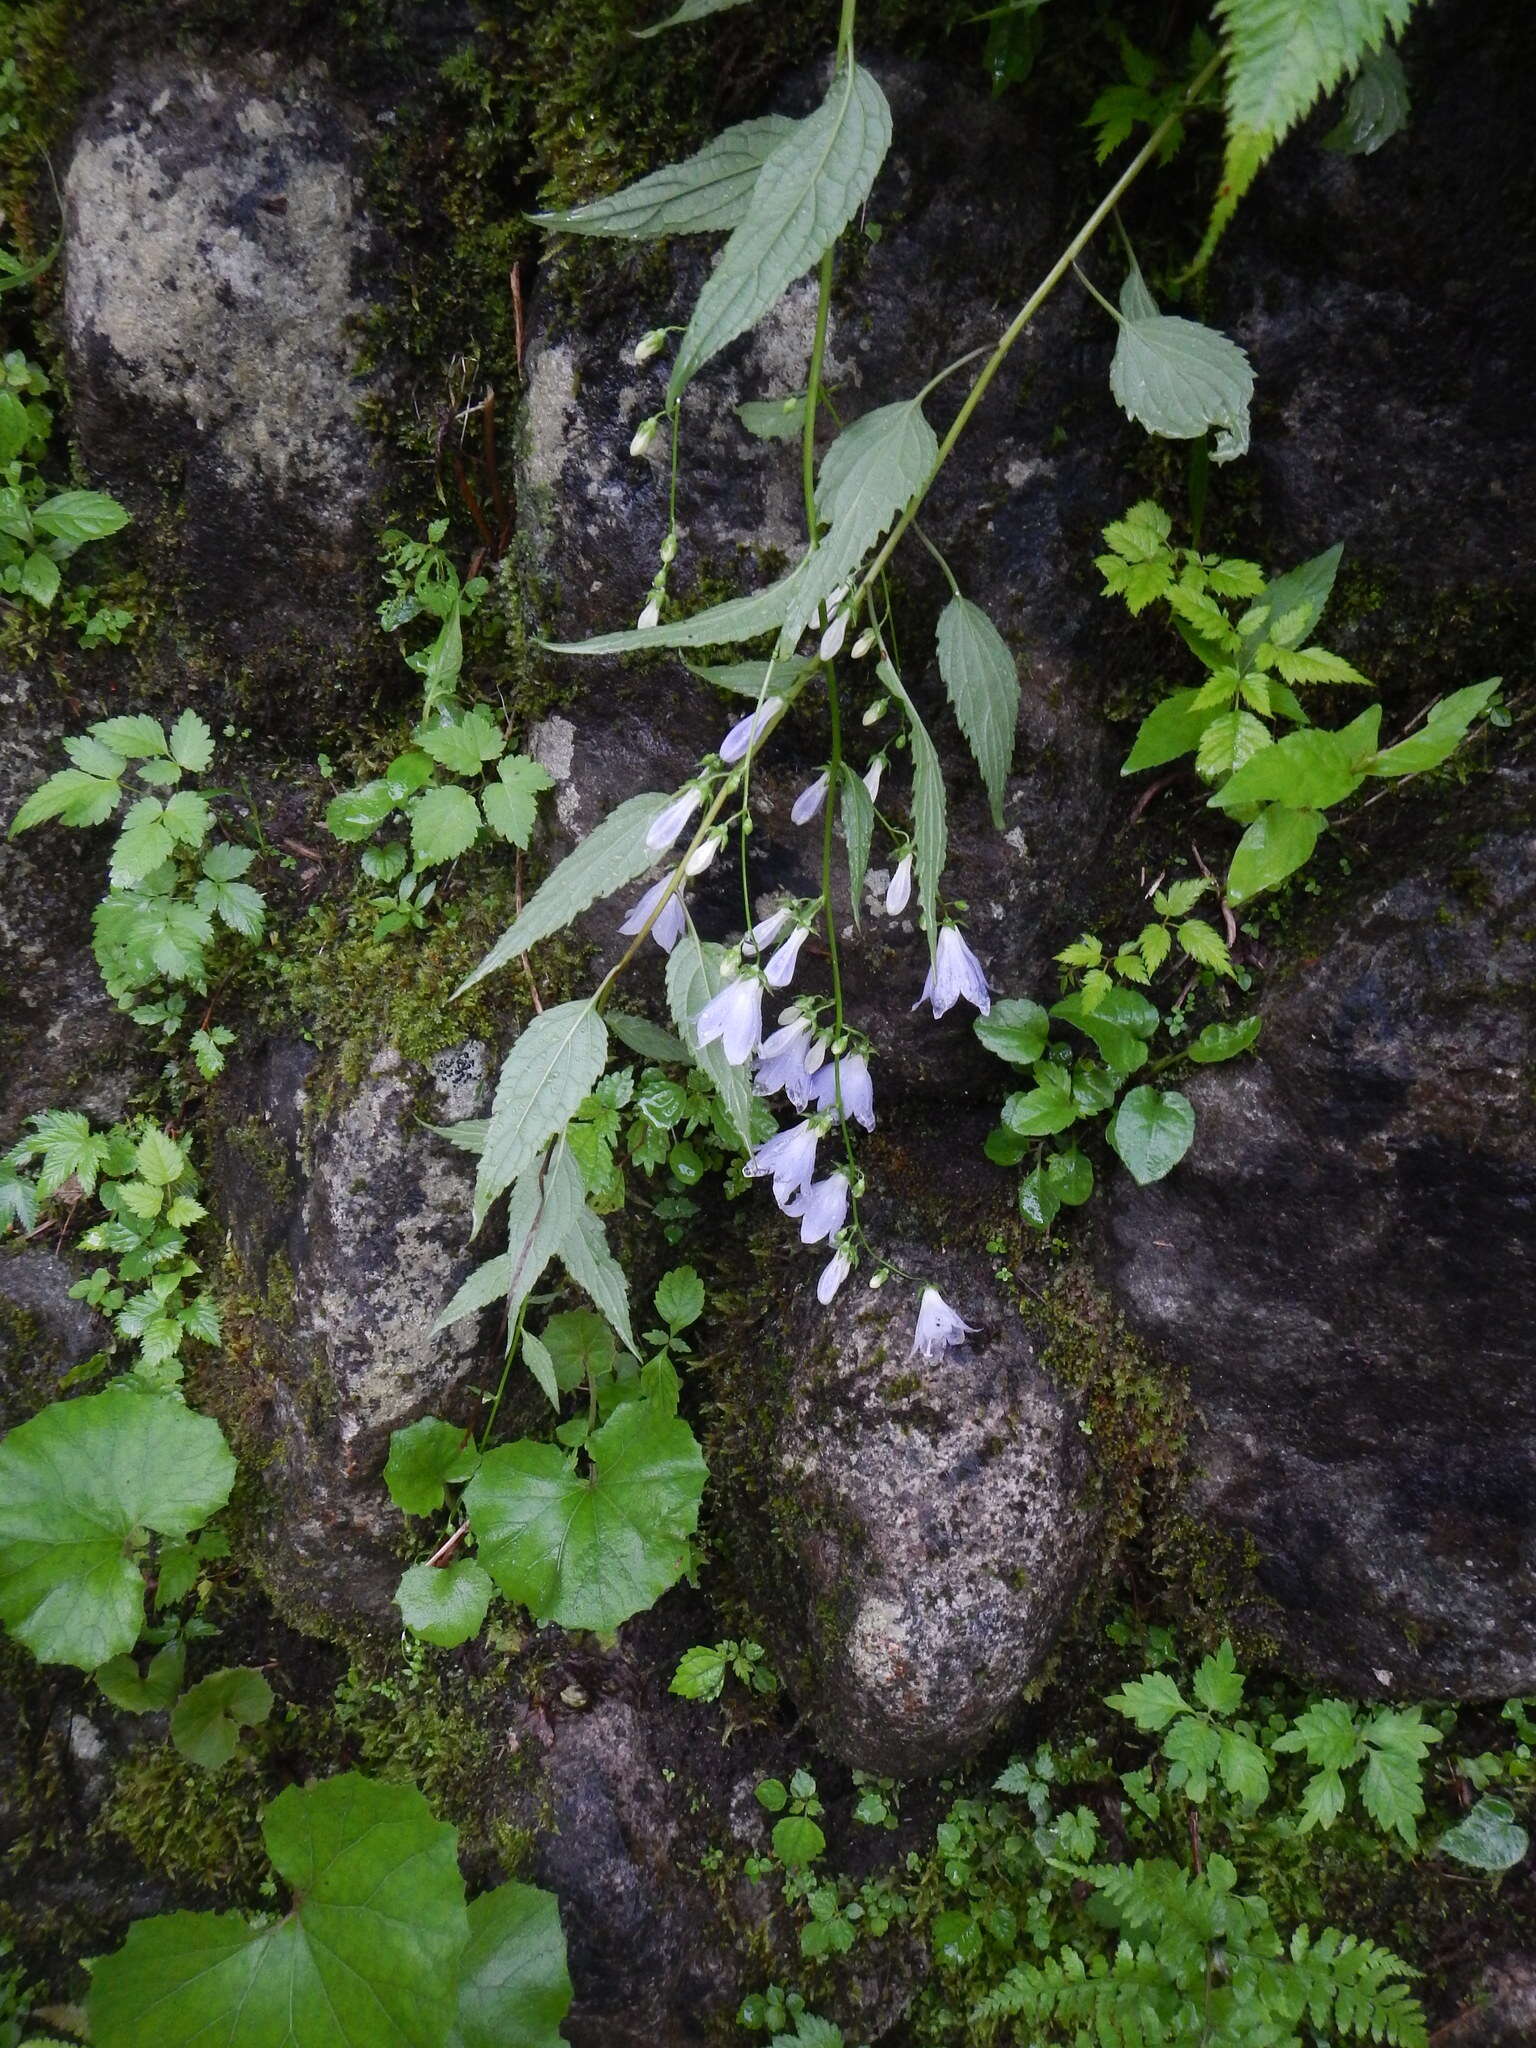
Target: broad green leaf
{"type": "Point", "coordinates": [680, 1298]}
{"type": "Point", "coordinates": [1119, 1025]}
{"type": "Point", "coordinates": [1151, 1701]}
{"type": "Point", "coordinates": [358, 813]}
{"type": "Point", "coordinates": [445, 822]}
{"type": "Point", "coordinates": [191, 743]}
{"type": "Point", "coordinates": [424, 1458]}
{"type": "Point", "coordinates": [857, 810]}
{"type": "Point", "coordinates": [1224, 1041]}
{"type": "Point", "coordinates": [207, 1719]}
{"type": "Point", "coordinates": [1039, 1202]}
{"type": "Point", "coordinates": [1015, 1029]}
{"type": "Point", "coordinates": [40, 578]}
{"type": "Point", "coordinates": [1172, 728]}
{"type": "Point", "coordinates": [463, 745]}
{"type": "Point", "coordinates": [982, 679]}
{"type": "Point", "coordinates": [74, 795]}
{"type": "Point", "coordinates": [1243, 1768]}
{"type": "Point", "coordinates": [797, 1840]}
{"type": "Point", "coordinates": [1277, 843]}
{"type": "Point", "coordinates": [1377, 106]}
{"type": "Point", "coordinates": [700, 1674]}
{"type": "Point", "coordinates": [705, 194]}
{"type": "Point", "coordinates": [510, 802]}
{"type": "Point", "coordinates": [445, 1604]}
{"type": "Point", "coordinates": [74, 517]}
{"type": "Point", "coordinates": [646, 1038]}
{"type": "Point", "coordinates": [158, 1158]}
{"type": "Point", "coordinates": [1488, 1838]}
{"type": "Point", "coordinates": [1069, 1176]}
{"type": "Point", "coordinates": [149, 1693]}
{"type": "Point", "coordinates": [136, 736]}
{"type": "Point", "coordinates": [806, 193]}
{"type": "Point", "coordinates": [611, 855]}
{"type": "Point", "coordinates": [1039, 1113]}
{"type": "Point", "coordinates": [773, 419]}
{"type": "Point", "coordinates": [1326, 1734]}
{"type": "Point", "coordinates": [1306, 771]}
{"type": "Point", "coordinates": [930, 827]}
{"type": "Point", "coordinates": [588, 1552]}
{"type": "Point", "coordinates": [690, 10]}
{"type": "Point", "coordinates": [1151, 1131]}
{"type": "Point", "coordinates": [586, 1257]}
{"type": "Point", "coordinates": [1178, 378]}
{"type": "Point", "coordinates": [514, 1986]}
{"type": "Point", "coordinates": [79, 1484]}
{"type": "Point", "coordinates": [693, 976]}
{"type": "Point", "coordinates": [546, 1076]}
{"type": "Point", "coordinates": [739, 618]}
{"type": "Point", "coordinates": [142, 845]}
{"type": "Point", "coordinates": [1193, 1747]}
{"type": "Point", "coordinates": [581, 1348]}
{"type": "Point", "coordinates": [870, 473]}
{"type": "Point", "coordinates": [1443, 732]}
{"type": "Point", "coordinates": [366, 1956]}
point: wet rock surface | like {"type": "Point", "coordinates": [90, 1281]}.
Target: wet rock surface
{"type": "Point", "coordinates": [1343, 1264]}
{"type": "Point", "coordinates": [933, 1521]}
{"type": "Point", "coordinates": [215, 274]}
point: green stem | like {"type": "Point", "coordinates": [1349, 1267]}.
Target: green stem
{"type": "Point", "coordinates": [513, 1335]}
{"type": "Point", "coordinates": [813, 393]}
{"type": "Point", "coordinates": [1031, 307]}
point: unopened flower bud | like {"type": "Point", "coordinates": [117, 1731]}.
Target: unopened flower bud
{"type": "Point", "coordinates": [701, 856]}
{"type": "Point", "coordinates": [863, 644]}
{"type": "Point", "coordinates": [832, 639]}
{"type": "Point", "coordinates": [669, 550]}
{"type": "Point", "coordinates": [650, 345]}
{"type": "Point", "coordinates": [877, 710]}
{"type": "Point", "coordinates": [645, 434]}
{"type": "Point", "coordinates": [651, 616]}
{"type": "Point", "coordinates": [879, 1279]}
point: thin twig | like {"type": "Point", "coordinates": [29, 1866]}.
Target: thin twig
{"type": "Point", "coordinates": [449, 1545]}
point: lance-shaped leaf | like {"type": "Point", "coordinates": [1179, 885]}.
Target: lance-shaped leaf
{"type": "Point", "coordinates": [871, 472]}
{"type": "Point", "coordinates": [722, 625]}
{"type": "Point", "coordinates": [930, 827]}
{"type": "Point", "coordinates": [1179, 378]}
{"type": "Point", "coordinates": [1288, 608]}
{"type": "Point", "coordinates": [1444, 730]}
{"type": "Point", "coordinates": [552, 1068]}
{"type": "Point", "coordinates": [366, 1956]}
{"type": "Point", "coordinates": [610, 856]}
{"type": "Point", "coordinates": [514, 1987]}
{"type": "Point", "coordinates": [754, 679]}
{"type": "Point", "coordinates": [806, 193]}
{"type": "Point", "coordinates": [857, 810]}
{"type": "Point", "coordinates": [79, 1484]}
{"type": "Point", "coordinates": [590, 1551]}
{"type": "Point", "coordinates": [704, 194]}
{"type": "Point", "coordinates": [586, 1257]}
{"type": "Point", "coordinates": [540, 1216]}
{"type": "Point", "coordinates": [982, 679]}
{"type": "Point", "coordinates": [693, 976]}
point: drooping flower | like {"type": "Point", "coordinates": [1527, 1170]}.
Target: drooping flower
{"type": "Point", "coordinates": [783, 1063]}
{"type": "Point", "coordinates": [650, 345]}
{"type": "Point", "coordinates": [822, 1208]}
{"type": "Point", "coordinates": [833, 1274]}
{"type": "Point", "coordinates": [863, 644]}
{"type": "Point", "coordinates": [810, 800]}
{"type": "Point", "coordinates": [938, 1327]}
{"type": "Point", "coordinates": [703, 854]}
{"type": "Point", "coordinates": [899, 890]}
{"type": "Point", "coordinates": [735, 1017]}
{"type": "Point", "coordinates": [644, 435]}
{"type": "Point", "coordinates": [790, 1157]}
{"type": "Point", "coordinates": [767, 929]}
{"type": "Point", "coordinates": [666, 825]}
{"type": "Point", "coordinates": [651, 616]}
{"type": "Point", "coordinates": [955, 972]}
{"type": "Point", "coordinates": [832, 639]}
{"type": "Point", "coordinates": [852, 1077]}
{"type": "Point", "coordinates": [668, 928]}
{"type": "Point", "coordinates": [780, 971]}
{"type": "Point", "coordinates": [747, 731]}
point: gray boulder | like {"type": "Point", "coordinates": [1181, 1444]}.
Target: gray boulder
{"type": "Point", "coordinates": [932, 1522]}
{"type": "Point", "coordinates": [1343, 1263]}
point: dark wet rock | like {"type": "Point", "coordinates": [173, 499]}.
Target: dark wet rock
{"type": "Point", "coordinates": [1343, 1262]}
{"type": "Point", "coordinates": [351, 1228]}
{"type": "Point", "coordinates": [932, 1522]}
{"type": "Point", "coordinates": [43, 1333]}
{"type": "Point", "coordinates": [1501, 2012]}
{"type": "Point", "coordinates": [216, 261]}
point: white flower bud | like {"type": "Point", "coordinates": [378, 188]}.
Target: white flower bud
{"type": "Point", "coordinates": [701, 856]}
{"type": "Point", "coordinates": [645, 434]}
{"type": "Point", "coordinates": [877, 710]}
{"type": "Point", "coordinates": [669, 550]}
{"type": "Point", "coordinates": [650, 345]}
{"type": "Point", "coordinates": [651, 616]}
{"type": "Point", "coordinates": [832, 639]}
{"type": "Point", "coordinates": [862, 645]}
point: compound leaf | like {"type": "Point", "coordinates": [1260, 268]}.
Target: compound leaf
{"type": "Point", "coordinates": [366, 1957]}
{"type": "Point", "coordinates": [588, 1552]}
{"type": "Point", "coordinates": [79, 1484]}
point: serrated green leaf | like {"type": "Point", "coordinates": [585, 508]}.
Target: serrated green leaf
{"type": "Point", "coordinates": [1151, 1701]}
{"type": "Point", "coordinates": [1242, 1767]}
{"type": "Point", "coordinates": [366, 1956]}
{"type": "Point", "coordinates": [1277, 843]}
{"type": "Point", "coordinates": [191, 743]}
{"type": "Point", "coordinates": [1224, 1041]}
{"type": "Point", "coordinates": [1015, 1029]}
{"type": "Point", "coordinates": [982, 679]}
{"type": "Point", "coordinates": [700, 1674]}
{"type": "Point", "coordinates": [930, 826]}
{"type": "Point", "coordinates": [706, 193]}
{"type": "Point", "coordinates": [424, 1458]}
{"type": "Point", "coordinates": [586, 1257]}
{"type": "Point", "coordinates": [613, 854]}
{"type": "Point", "coordinates": [806, 193]}
{"type": "Point", "coordinates": [693, 976]}
{"type": "Point", "coordinates": [445, 822]}
{"type": "Point", "coordinates": [1177, 378]}
{"type": "Point", "coordinates": [511, 802]}
{"type": "Point", "coordinates": [158, 1157]}
{"type": "Point", "coordinates": [1151, 1130]}
{"type": "Point", "coordinates": [358, 813]}
{"type": "Point", "coordinates": [1204, 945]}
{"type": "Point", "coordinates": [74, 517]}
{"type": "Point", "coordinates": [136, 736]}
{"type": "Point", "coordinates": [206, 1721]}
{"type": "Point", "coordinates": [857, 811]}
{"type": "Point", "coordinates": [1283, 55]}
{"type": "Point", "coordinates": [72, 795]}
{"type": "Point", "coordinates": [445, 1604]}
{"type": "Point", "coordinates": [514, 1985]}
{"type": "Point", "coordinates": [1377, 106]}
{"type": "Point", "coordinates": [797, 1840]}
{"type": "Point", "coordinates": [1172, 728]}
{"type": "Point", "coordinates": [1289, 607]}
{"type": "Point", "coordinates": [646, 1038]}
{"type": "Point", "coordinates": [680, 1298]}
{"type": "Point", "coordinates": [740, 618]}
{"type": "Point", "coordinates": [754, 679]}
{"type": "Point", "coordinates": [588, 1552]}
{"type": "Point", "coordinates": [76, 1483]}
{"type": "Point", "coordinates": [1218, 1684]}
{"type": "Point", "coordinates": [1231, 739]}
{"type": "Point", "coordinates": [1193, 1747]}
{"type": "Point", "coordinates": [551, 1067]}
{"type": "Point", "coordinates": [1306, 771]}
{"type": "Point", "coordinates": [773, 419]}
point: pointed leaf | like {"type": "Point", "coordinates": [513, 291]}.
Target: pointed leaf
{"type": "Point", "coordinates": [705, 194]}
{"type": "Point", "coordinates": [693, 976]}
{"type": "Point", "coordinates": [930, 824]}
{"type": "Point", "coordinates": [1277, 843]}
{"type": "Point", "coordinates": [546, 1076]}
{"type": "Point", "coordinates": [982, 679]}
{"type": "Point", "coordinates": [871, 472]}
{"type": "Point", "coordinates": [586, 1257]}
{"type": "Point", "coordinates": [740, 618]}
{"type": "Point", "coordinates": [1178, 378]}
{"type": "Point", "coordinates": [1151, 1131]}
{"type": "Point", "coordinates": [857, 810]}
